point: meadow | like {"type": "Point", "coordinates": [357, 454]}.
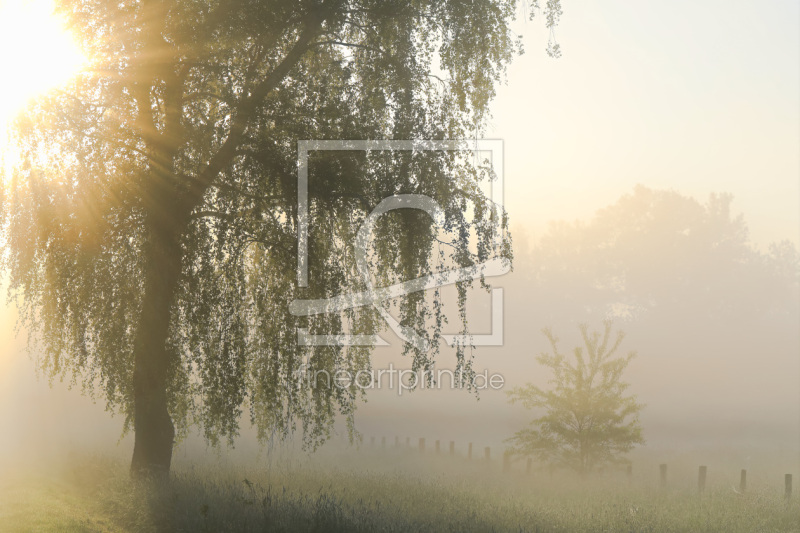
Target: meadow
{"type": "Point", "coordinates": [373, 490]}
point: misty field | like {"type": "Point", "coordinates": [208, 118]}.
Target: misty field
{"type": "Point", "coordinates": [376, 492]}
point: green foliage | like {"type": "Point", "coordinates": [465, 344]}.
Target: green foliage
{"type": "Point", "coordinates": [166, 176]}
{"type": "Point", "coordinates": [588, 420]}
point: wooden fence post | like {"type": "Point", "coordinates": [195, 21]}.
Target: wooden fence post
{"type": "Point", "coordinates": [437, 447]}
{"type": "Point", "coordinates": [408, 442]}
{"type": "Point", "coordinates": [528, 466]}
{"type": "Point", "coordinates": [469, 451]}
{"type": "Point", "coordinates": [788, 481]}
{"type": "Point", "coordinates": [452, 447]}
{"type": "Point", "coordinates": [487, 453]}
{"type": "Point", "coordinates": [421, 445]}
{"type": "Point", "coordinates": [743, 481]}
{"type": "Point", "coordinates": [663, 468]}
{"type": "Point", "coordinates": [629, 473]}
{"type": "Point", "coordinates": [701, 479]}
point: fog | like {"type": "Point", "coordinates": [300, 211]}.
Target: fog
{"type": "Point", "coordinates": [712, 316]}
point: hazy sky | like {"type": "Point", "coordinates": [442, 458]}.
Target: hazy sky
{"type": "Point", "coordinates": [695, 96]}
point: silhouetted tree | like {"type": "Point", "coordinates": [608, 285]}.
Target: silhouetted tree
{"type": "Point", "coordinates": [151, 232]}
{"type": "Point", "coordinates": [588, 420]}
{"type": "Point", "coordinates": [661, 255]}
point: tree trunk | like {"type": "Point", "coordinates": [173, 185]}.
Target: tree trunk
{"type": "Point", "coordinates": [153, 427]}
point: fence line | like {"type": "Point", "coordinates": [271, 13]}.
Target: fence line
{"type": "Point", "coordinates": [702, 472]}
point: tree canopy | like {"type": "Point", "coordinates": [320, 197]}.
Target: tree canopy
{"type": "Point", "coordinates": [150, 234]}
{"type": "Point", "coordinates": [588, 419]}
{"type": "Point", "coordinates": [661, 255]}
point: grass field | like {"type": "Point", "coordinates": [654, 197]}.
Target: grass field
{"type": "Point", "coordinates": [371, 492]}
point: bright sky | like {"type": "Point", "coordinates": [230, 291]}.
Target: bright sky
{"type": "Point", "coordinates": [694, 96]}
{"type": "Point", "coordinates": [36, 54]}
{"type": "Point", "coordinates": [35, 49]}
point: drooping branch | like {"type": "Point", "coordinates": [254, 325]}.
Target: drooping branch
{"type": "Point", "coordinates": [249, 104]}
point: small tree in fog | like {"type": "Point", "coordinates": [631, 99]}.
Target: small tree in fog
{"type": "Point", "coordinates": [588, 419]}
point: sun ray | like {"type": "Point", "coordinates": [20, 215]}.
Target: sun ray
{"type": "Point", "coordinates": [37, 53]}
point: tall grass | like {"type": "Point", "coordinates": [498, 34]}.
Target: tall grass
{"type": "Point", "coordinates": [413, 494]}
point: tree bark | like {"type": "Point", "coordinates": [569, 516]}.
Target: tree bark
{"type": "Point", "coordinates": [165, 221]}
{"type": "Point", "coordinates": [169, 206]}
{"type": "Point", "coordinates": [153, 427]}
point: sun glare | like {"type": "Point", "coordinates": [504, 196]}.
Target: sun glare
{"type": "Point", "coordinates": [36, 54]}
